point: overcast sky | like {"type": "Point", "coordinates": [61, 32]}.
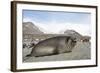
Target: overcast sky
{"type": "Point", "coordinates": [55, 22]}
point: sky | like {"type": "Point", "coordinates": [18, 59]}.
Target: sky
{"type": "Point", "coordinates": [57, 21]}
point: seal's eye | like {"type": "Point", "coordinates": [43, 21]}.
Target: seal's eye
{"type": "Point", "coordinates": [74, 40]}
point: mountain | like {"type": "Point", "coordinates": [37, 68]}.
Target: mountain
{"type": "Point", "coordinates": [73, 33]}
{"type": "Point", "coordinates": [30, 28]}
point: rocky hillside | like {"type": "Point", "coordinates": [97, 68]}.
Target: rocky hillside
{"type": "Point", "coordinates": [30, 28]}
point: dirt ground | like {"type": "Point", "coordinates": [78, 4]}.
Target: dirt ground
{"type": "Point", "coordinates": [81, 51]}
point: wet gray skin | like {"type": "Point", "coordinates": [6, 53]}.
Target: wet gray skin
{"type": "Point", "coordinates": [52, 46]}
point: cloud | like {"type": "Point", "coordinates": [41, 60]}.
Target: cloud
{"type": "Point", "coordinates": [57, 27]}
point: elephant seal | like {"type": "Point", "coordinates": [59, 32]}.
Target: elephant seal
{"type": "Point", "coordinates": [54, 45]}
